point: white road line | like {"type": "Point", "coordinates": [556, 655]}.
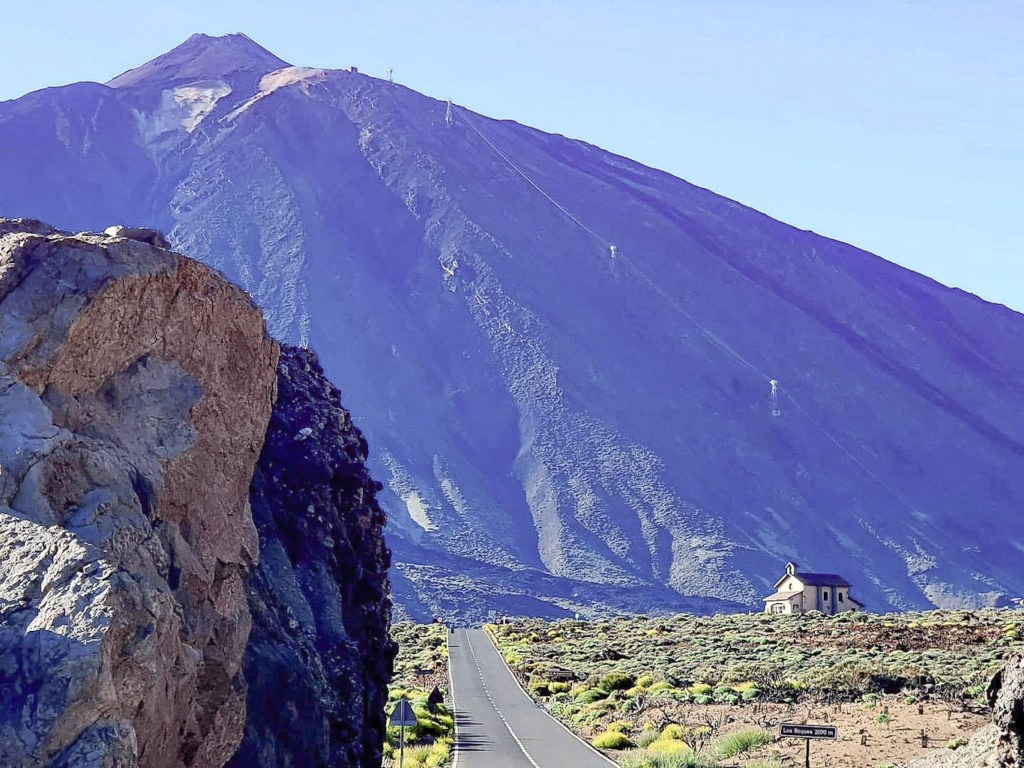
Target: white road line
{"type": "Point", "coordinates": [455, 709]}
{"type": "Point", "coordinates": [481, 673]}
{"type": "Point", "coordinates": [519, 685]}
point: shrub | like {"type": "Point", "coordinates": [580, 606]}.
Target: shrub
{"type": "Point", "coordinates": [703, 699]}
{"type": "Point", "coordinates": [643, 759]}
{"type": "Point", "coordinates": [636, 758]}
{"type": "Point", "coordinates": [667, 747]}
{"type": "Point", "coordinates": [540, 687]}
{"type": "Point", "coordinates": [559, 687]}
{"type": "Point", "coordinates": [591, 695]}
{"type": "Point", "coordinates": [700, 689]}
{"type": "Point", "coordinates": [440, 752]}
{"type": "Point", "coordinates": [739, 742]}
{"type": "Point", "coordinates": [620, 726]}
{"type": "Point", "coordinates": [417, 754]}
{"type": "Point", "coordinates": [645, 681]}
{"type": "Point", "coordinates": [646, 737]}
{"type": "Point", "coordinates": [617, 681]}
{"type": "Point", "coordinates": [673, 731]}
{"type": "Point", "coordinates": [955, 743]}
{"type": "Point", "coordinates": [612, 740]}
{"type": "Point", "coordinates": [750, 694]}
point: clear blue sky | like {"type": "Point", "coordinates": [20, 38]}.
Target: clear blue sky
{"type": "Point", "coordinates": [893, 125]}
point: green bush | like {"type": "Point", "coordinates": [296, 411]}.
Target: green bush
{"type": "Point", "coordinates": [617, 681]}
{"type": "Point", "coordinates": [751, 694]}
{"type": "Point", "coordinates": [641, 758]}
{"type": "Point", "coordinates": [673, 731]}
{"type": "Point", "coordinates": [667, 747]}
{"type": "Point", "coordinates": [646, 737]}
{"type": "Point", "coordinates": [635, 758]}
{"type": "Point", "coordinates": [591, 695]}
{"type": "Point", "coordinates": [612, 740]}
{"type": "Point", "coordinates": [739, 742]}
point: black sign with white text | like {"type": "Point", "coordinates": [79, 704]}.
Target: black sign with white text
{"type": "Point", "coordinates": [807, 731]}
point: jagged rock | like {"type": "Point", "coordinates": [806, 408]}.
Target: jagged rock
{"type": "Point", "coordinates": [319, 658]}
{"type": "Point", "coordinates": [1007, 698]}
{"type": "Point", "coordinates": [135, 390]}
{"type": "Point", "coordinates": [142, 234]}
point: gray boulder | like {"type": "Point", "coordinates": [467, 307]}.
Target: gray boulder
{"type": "Point", "coordinates": [135, 390]}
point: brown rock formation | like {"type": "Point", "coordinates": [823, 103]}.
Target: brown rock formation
{"type": "Point", "coordinates": [135, 390]}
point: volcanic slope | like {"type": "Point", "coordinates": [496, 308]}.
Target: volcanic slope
{"type": "Point", "coordinates": [563, 426]}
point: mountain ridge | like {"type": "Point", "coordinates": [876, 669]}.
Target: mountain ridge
{"type": "Point", "coordinates": [536, 401]}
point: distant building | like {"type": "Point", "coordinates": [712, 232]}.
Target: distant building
{"type": "Point", "coordinates": [801, 592]}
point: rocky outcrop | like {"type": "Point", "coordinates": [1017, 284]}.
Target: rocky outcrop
{"type": "Point", "coordinates": [1006, 696]}
{"type": "Point", "coordinates": [319, 657]}
{"type": "Point", "coordinates": [135, 390]}
{"type": "Point", "coordinates": [1001, 744]}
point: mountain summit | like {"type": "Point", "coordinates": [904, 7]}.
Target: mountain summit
{"type": "Point", "coordinates": [202, 57]}
{"type": "Point", "coordinates": [587, 385]}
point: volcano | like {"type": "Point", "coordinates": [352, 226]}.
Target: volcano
{"type": "Point", "coordinates": [588, 385]}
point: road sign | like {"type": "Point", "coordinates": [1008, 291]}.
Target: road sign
{"type": "Point", "coordinates": [403, 714]}
{"type": "Point", "coordinates": [403, 717]}
{"type": "Point", "coordinates": [807, 731]}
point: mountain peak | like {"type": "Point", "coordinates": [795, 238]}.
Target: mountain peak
{"type": "Point", "coordinates": [203, 57]}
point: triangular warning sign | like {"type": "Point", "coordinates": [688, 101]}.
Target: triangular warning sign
{"type": "Point", "coordinates": [403, 714]}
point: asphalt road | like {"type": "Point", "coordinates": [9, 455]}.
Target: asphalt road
{"type": "Point", "coordinates": [497, 724]}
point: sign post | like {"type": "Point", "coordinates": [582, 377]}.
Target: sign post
{"type": "Point", "coordinates": [807, 732]}
{"type": "Point", "coordinates": [403, 717]}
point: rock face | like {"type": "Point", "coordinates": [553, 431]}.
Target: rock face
{"type": "Point", "coordinates": [1006, 695]}
{"type": "Point", "coordinates": [319, 657]}
{"type": "Point", "coordinates": [135, 390]}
